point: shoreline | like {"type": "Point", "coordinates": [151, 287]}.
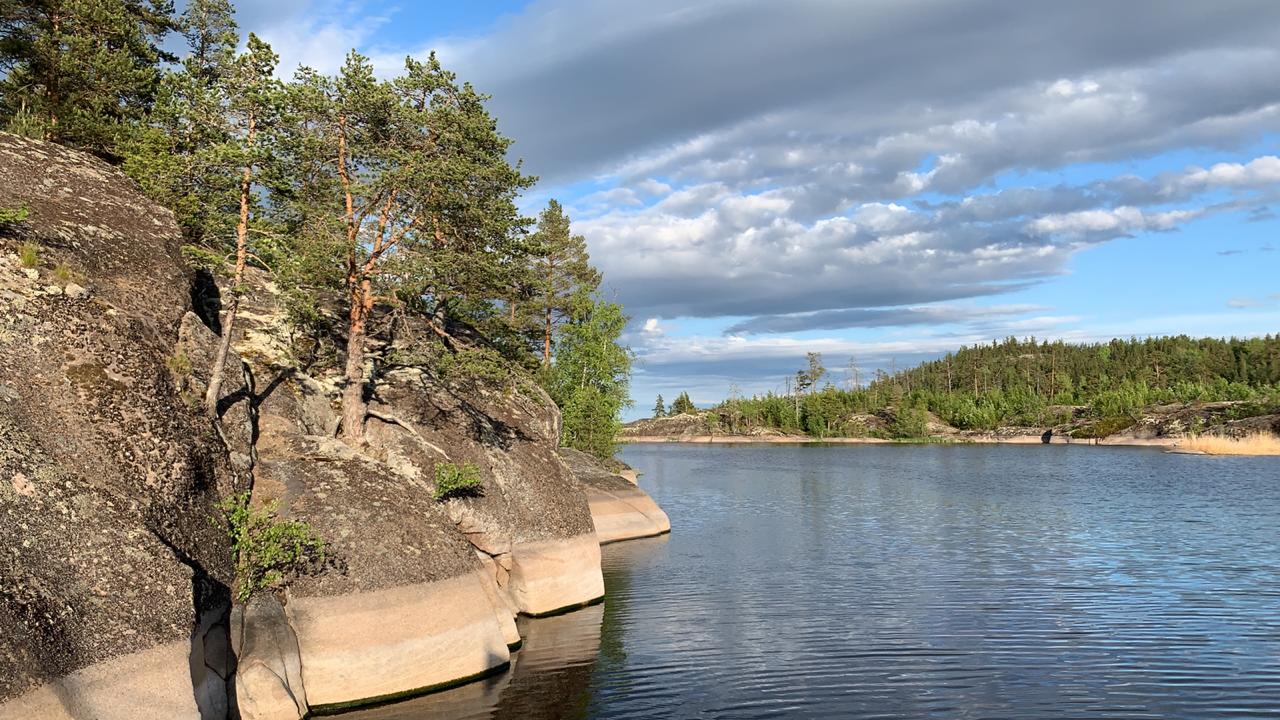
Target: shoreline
{"type": "Point", "coordinates": [1169, 443]}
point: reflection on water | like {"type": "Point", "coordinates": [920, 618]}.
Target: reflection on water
{"type": "Point", "coordinates": [549, 678]}
{"type": "Point", "coordinates": [907, 582]}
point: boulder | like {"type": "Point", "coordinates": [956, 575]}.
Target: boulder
{"type": "Point", "coordinates": [268, 680]}
{"type": "Point", "coordinates": [529, 515]}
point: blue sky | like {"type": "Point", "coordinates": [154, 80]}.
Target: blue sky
{"type": "Point", "coordinates": [886, 180]}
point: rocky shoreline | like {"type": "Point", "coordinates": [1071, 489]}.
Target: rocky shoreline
{"type": "Point", "coordinates": [968, 439]}
{"type": "Point", "coordinates": [1161, 426]}
{"type": "Point", "coordinates": [116, 587]}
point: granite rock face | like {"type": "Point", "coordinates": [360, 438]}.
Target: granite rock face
{"type": "Point", "coordinates": [619, 509]}
{"type": "Point", "coordinates": [113, 582]}
{"type": "Point", "coordinates": [423, 592]}
{"type": "Point", "coordinates": [116, 584]}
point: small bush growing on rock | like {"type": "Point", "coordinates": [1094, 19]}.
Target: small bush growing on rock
{"type": "Point", "coordinates": [9, 216]}
{"type": "Point", "coordinates": [1103, 428]}
{"type": "Point", "coordinates": [455, 481]}
{"type": "Point", "coordinates": [29, 254]}
{"type": "Point", "coordinates": [179, 364]}
{"type": "Point", "coordinates": [266, 550]}
{"type": "Point", "coordinates": [474, 365]}
{"type": "Point", "coordinates": [27, 124]}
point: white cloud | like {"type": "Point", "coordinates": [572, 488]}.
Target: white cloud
{"type": "Point", "coordinates": [818, 160]}
{"type": "Point", "coordinates": [1259, 172]}
{"type": "Point", "coordinates": [1240, 303]}
{"type": "Point", "coordinates": [1109, 222]}
{"type": "Point", "coordinates": [1066, 88]}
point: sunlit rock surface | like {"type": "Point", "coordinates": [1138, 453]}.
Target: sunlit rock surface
{"type": "Point", "coordinates": [113, 580]}
{"type": "Point", "coordinates": [619, 509]}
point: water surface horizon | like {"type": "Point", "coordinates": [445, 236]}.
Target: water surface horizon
{"type": "Point", "coordinates": [871, 581]}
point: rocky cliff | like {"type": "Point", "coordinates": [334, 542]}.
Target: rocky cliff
{"type": "Point", "coordinates": [115, 581]}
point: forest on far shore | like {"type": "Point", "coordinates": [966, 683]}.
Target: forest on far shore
{"type": "Point", "coordinates": [1013, 382]}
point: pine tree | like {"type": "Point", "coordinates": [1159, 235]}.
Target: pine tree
{"type": "Point", "coordinates": [416, 175]}
{"type": "Point", "coordinates": [253, 98]}
{"type": "Point", "coordinates": [683, 405]}
{"type": "Point", "coordinates": [562, 271]}
{"type": "Point", "coordinates": [81, 72]}
{"type": "Point", "coordinates": [659, 409]}
{"type": "Point", "coordinates": [210, 29]}
{"type": "Point", "coordinates": [204, 148]}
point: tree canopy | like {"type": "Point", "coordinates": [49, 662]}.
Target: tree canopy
{"type": "Point", "coordinates": [391, 196]}
{"type": "Point", "coordinates": [80, 72]}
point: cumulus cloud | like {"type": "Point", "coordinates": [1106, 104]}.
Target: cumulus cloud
{"type": "Point", "coordinates": [1109, 222]}
{"type": "Point", "coordinates": [817, 165]}
{"type": "Point", "coordinates": [876, 318]}
{"type": "Point", "coordinates": [706, 250]}
{"type": "Point", "coordinates": [1260, 172]}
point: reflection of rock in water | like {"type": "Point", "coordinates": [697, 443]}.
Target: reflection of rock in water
{"type": "Point", "coordinates": [550, 678]}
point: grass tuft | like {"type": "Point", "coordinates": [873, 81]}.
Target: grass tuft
{"type": "Point", "coordinates": [29, 254]}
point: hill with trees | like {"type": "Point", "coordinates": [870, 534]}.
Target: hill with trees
{"type": "Point", "coordinates": [1087, 390]}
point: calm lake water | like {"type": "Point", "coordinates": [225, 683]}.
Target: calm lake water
{"type": "Point", "coordinates": [919, 581]}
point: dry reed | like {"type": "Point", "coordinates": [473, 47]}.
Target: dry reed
{"type": "Point", "coordinates": [1259, 443]}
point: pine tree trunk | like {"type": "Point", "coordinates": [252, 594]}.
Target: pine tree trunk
{"type": "Point", "coordinates": [546, 341]}
{"type": "Point", "coordinates": [354, 407]}
{"type": "Point", "coordinates": [214, 392]}
{"type": "Point", "coordinates": [212, 395]}
{"type": "Point", "coordinates": [353, 404]}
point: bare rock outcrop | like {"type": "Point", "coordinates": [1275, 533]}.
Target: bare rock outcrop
{"type": "Point", "coordinates": [619, 509]}
{"type": "Point", "coordinates": [116, 581]}
{"type": "Point", "coordinates": [113, 582]}
{"type": "Point", "coordinates": [424, 591]}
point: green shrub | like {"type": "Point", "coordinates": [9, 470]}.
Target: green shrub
{"type": "Point", "coordinates": [29, 254]}
{"type": "Point", "coordinates": [179, 364]}
{"type": "Point", "coordinates": [9, 216]}
{"type": "Point", "coordinates": [63, 273]}
{"type": "Point", "coordinates": [909, 422]}
{"type": "Point", "coordinates": [1103, 428]}
{"type": "Point", "coordinates": [202, 257]}
{"type": "Point", "coordinates": [27, 124]}
{"type": "Point", "coordinates": [267, 551]}
{"type": "Point", "coordinates": [456, 481]}
{"type": "Point", "coordinates": [474, 365]}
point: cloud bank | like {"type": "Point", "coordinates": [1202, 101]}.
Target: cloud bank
{"type": "Point", "coordinates": [828, 166]}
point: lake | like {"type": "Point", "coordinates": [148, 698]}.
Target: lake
{"type": "Point", "coordinates": [974, 581]}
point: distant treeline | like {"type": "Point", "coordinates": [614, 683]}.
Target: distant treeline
{"type": "Point", "coordinates": [1021, 382]}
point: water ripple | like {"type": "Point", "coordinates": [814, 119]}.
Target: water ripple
{"type": "Point", "coordinates": [919, 582]}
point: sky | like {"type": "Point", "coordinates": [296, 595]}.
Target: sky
{"type": "Point", "coordinates": [883, 180]}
